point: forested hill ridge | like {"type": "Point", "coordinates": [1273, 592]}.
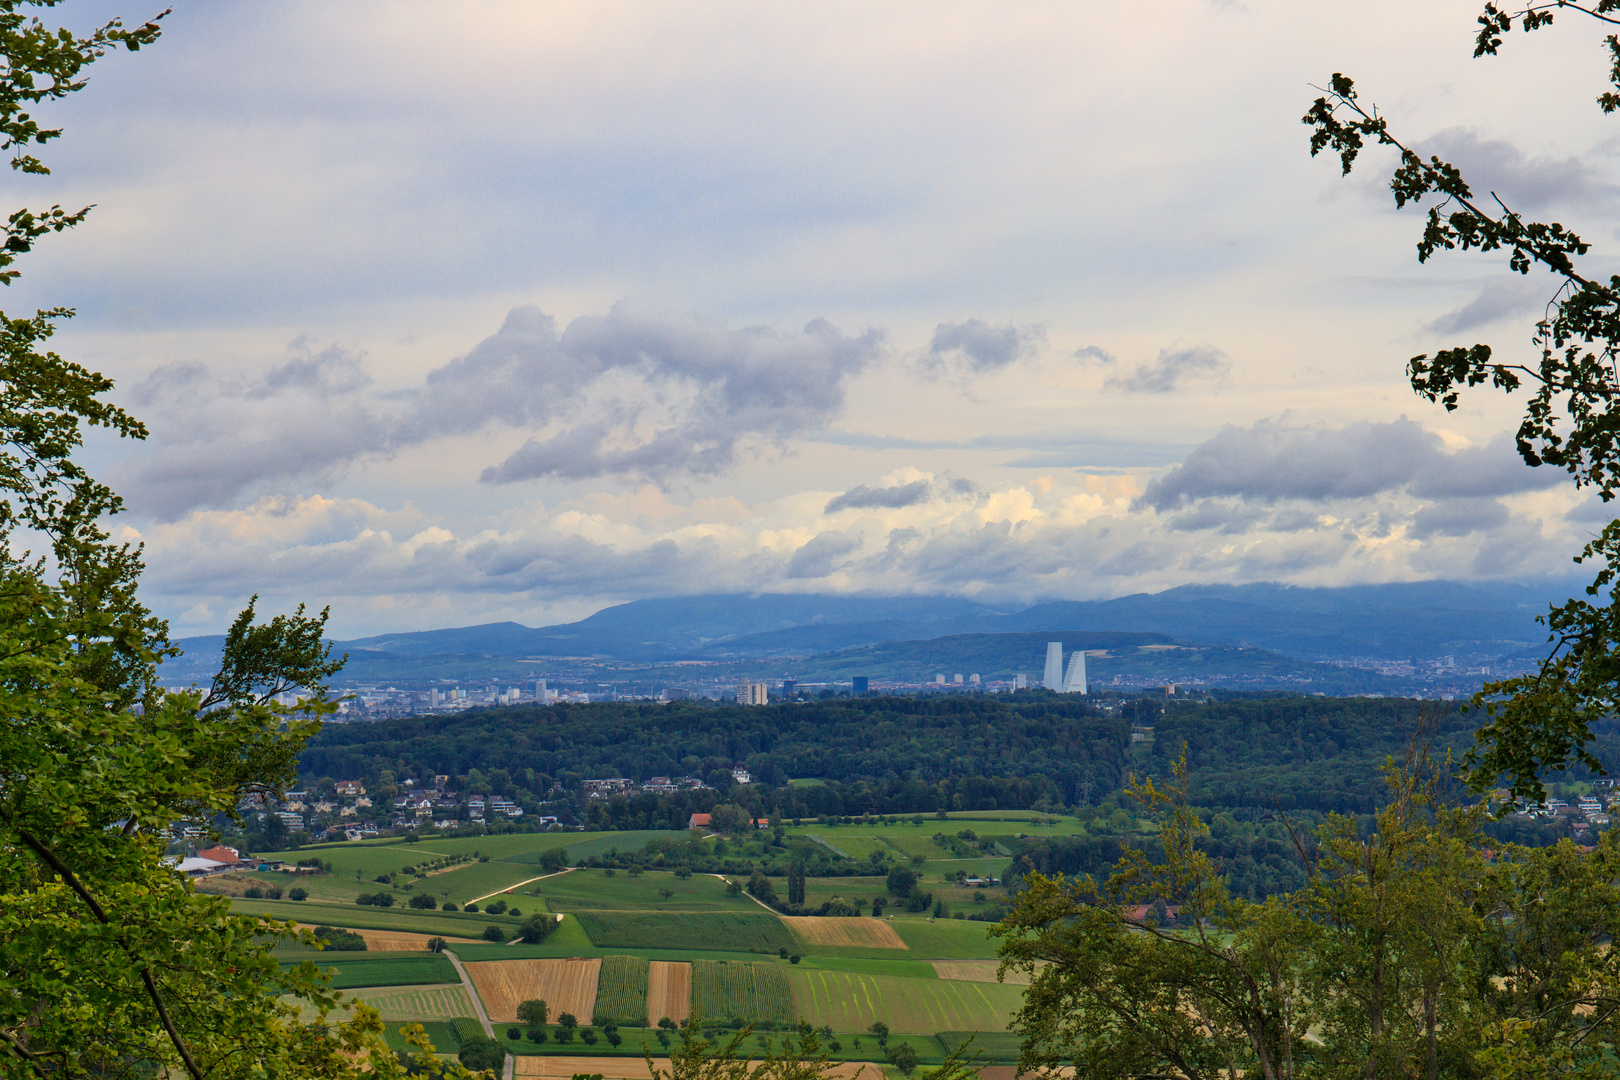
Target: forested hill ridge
{"type": "Point", "coordinates": [1033, 750]}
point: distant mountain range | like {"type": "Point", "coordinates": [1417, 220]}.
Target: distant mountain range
{"type": "Point", "coordinates": [1415, 621]}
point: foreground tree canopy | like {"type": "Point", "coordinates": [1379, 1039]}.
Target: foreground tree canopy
{"type": "Point", "coordinates": [1542, 721]}
{"type": "Point", "coordinates": [111, 965]}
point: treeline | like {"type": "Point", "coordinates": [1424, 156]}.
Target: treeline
{"type": "Point", "coordinates": [907, 755]}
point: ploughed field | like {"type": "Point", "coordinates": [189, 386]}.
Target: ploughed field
{"type": "Point", "coordinates": [567, 986]}
{"type": "Point", "coordinates": [669, 991]}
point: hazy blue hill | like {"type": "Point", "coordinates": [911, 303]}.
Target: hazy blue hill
{"type": "Point", "coordinates": [1422, 619]}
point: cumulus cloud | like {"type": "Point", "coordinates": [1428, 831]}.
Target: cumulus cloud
{"type": "Point", "coordinates": [1170, 369]}
{"type": "Point", "coordinates": [821, 555]}
{"type": "Point", "coordinates": [984, 347]}
{"type": "Point", "coordinates": [1246, 480]}
{"type": "Point", "coordinates": [662, 396]}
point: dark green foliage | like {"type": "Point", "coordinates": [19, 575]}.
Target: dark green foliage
{"type": "Point", "coordinates": [495, 907]}
{"type": "Point", "coordinates": [338, 940]}
{"type": "Point", "coordinates": [482, 1053]}
{"type": "Point", "coordinates": [296, 893]}
{"type": "Point", "coordinates": [389, 969]}
{"type": "Point", "coordinates": [536, 928]}
{"type": "Point", "coordinates": [424, 902]}
{"type": "Point", "coordinates": [901, 880]}
{"type": "Point", "coordinates": [494, 933]}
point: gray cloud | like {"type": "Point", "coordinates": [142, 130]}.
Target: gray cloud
{"type": "Point", "coordinates": [984, 347]}
{"type": "Point", "coordinates": [1269, 462]}
{"type": "Point", "coordinates": [862, 497]}
{"type": "Point", "coordinates": [1170, 369]}
{"type": "Point", "coordinates": [1525, 184]}
{"type": "Point", "coordinates": [1499, 299]}
{"type": "Point", "coordinates": [720, 389]}
{"type": "Point", "coordinates": [820, 556]}
{"type": "Point", "coordinates": [1458, 517]}
{"type": "Point", "coordinates": [1094, 354]}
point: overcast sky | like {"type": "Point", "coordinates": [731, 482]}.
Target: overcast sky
{"type": "Point", "coordinates": [449, 313]}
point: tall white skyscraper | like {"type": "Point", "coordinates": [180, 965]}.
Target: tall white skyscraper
{"type": "Point", "coordinates": [1020, 681]}
{"type": "Point", "coordinates": [1075, 681]}
{"type": "Point", "coordinates": [1054, 666]}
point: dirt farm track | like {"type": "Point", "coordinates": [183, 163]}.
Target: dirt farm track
{"type": "Point", "coordinates": [567, 986]}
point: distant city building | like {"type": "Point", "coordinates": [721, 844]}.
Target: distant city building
{"type": "Point", "coordinates": [433, 697]}
{"type": "Point", "coordinates": [1020, 681]}
{"type": "Point", "coordinates": [741, 775]}
{"type": "Point", "coordinates": [1075, 681]}
{"type": "Point", "coordinates": [973, 680]}
{"type": "Point", "coordinates": [939, 680]}
{"type": "Point", "coordinates": [753, 693]}
{"type": "Point", "coordinates": [957, 678]}
{"type": "Point", "coordinates": [788, 686]}
{"type": "Point", "coordinates": [858, 685]}
{"type": "Point", "coordinates": [1054, 666]}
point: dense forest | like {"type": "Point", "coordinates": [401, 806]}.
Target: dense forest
{"type": "Point", "coordinates": [916, 755]}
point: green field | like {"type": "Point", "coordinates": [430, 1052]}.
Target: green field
{"type": "Point", "coordinates": [739, 931]}
{"type": "Point", "coordinates": [440, 1033]}
{"type": "Point", "coordinates": [852, 1001]}
{"type": "Point", "coordinates": [354, 969]}
{"type": "Point", "coordinates": [946, 939]}
{"type": "Point", "coordinates": [722, 991]}
{"type": "Point", "coordinates": [621, 991]}
{"type": "Point", "coordinates": [593, 890]}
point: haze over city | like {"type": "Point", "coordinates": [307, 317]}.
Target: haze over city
{"type": "Point", "coordinates": [454, 314]}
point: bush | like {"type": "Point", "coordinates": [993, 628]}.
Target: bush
{"type": "Point", "coordinates": [272, 893]}
{"type": "Point", "coordinates": [794, 959]}
{"type": "Point", "coordinates": [565, 1035]}
{"type": "Point", "coordinates": [448, 906]}
{"type": "Point", "coordinates": [494, 933]}
{"type": "Point", "coordinates": [436, 944]}
{"type": "Point", "coordinates": [514, 912]}
{"type": "Point", "coordinates": [471, 909]}
{"type": "Point", "coordinates": [297, 894]}
{"type": "Point", "coordinates": [613, 1036]}
{"type": "Point", "coordinates": [340, 940]}
{"type": "Point", "coordinates": [495, 907]}
{"type": "Point", "coordinates": [904, 1058]}
{"type": "Point", "coordinates": [536, 928]}
{"type": "Point", "coordinates": [588, 1036]}
{"type": "Point", "coordinates": [424, 902]}
{"type": "Point", "coordinates": [253, 892]}
{"type": "Point", "coordinates": [537, 1035]}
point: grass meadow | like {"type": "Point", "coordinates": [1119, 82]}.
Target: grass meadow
{"type": "Point", "coordinates": [853, 1001]}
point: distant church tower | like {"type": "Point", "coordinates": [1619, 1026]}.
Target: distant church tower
{"type": "Point", "coordinates": [1075, 681]}
{"type": "Point", "coordinates": [1054, 666]}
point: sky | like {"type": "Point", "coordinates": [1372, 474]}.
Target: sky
{"type": "Point", "coordinates": [453, 313]}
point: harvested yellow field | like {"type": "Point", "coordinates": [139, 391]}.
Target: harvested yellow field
{"type": "Point", "coordinates": [854, 933]}
{"type": "Point", "coordinates": [977, 971]}
{"type": "Point", "coordinates": [399, 941]}
{"type": "Point", "coordinates": [669, 991]}
{"type": "Point", "coordinates": [635, 1068]}
{"type": "Point", "coordinates": [567, 986]}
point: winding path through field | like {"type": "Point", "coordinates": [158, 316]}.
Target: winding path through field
{"type": "Point", "coordinates": [478, 1007]}
{"type": "Point", "coordinates": [519, 885]}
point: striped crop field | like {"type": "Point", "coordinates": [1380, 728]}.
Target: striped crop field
{"type": "Point", "coordinates": [669, 991]}
{"type": "Point", "coordinates": [567, 986]}
{"type": "Point", "coordinates": [621, 991]}
{"type": "Point", "coordinates": [404, 1003]}
{"type": "Point", "coordinates": [723, 931]}
{"type": "Point", "coordinates": [853, 1001]}
{"type": "Point", "coordinates": [860, 933]}
{"type": "Point", "coordinates": [722, 990]}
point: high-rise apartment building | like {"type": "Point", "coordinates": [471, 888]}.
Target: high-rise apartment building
{"type": "Point", "coordinates": [753, 693]}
